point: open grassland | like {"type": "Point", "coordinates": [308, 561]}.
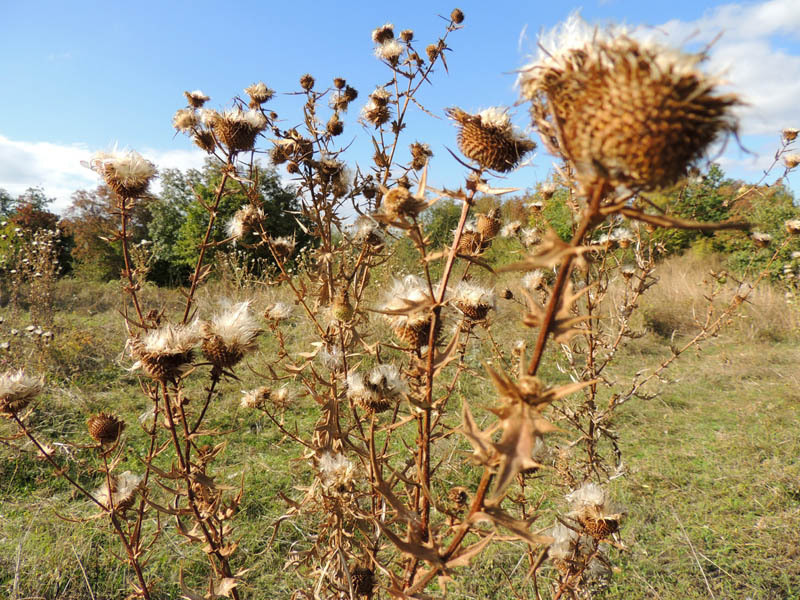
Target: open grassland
{"type": "Point", "coordinates": [710, 485]}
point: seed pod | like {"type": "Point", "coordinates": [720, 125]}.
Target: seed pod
{"type": "Point", "coordinates": [105, 428]}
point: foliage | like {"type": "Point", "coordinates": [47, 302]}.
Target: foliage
{"type": "Point", "coordinates": [180, 218]}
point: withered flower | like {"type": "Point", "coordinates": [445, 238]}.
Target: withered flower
{"type": "Point", "coordinates": [237, 128]}
{"type": "Point", "coordinates": [383, 33]}
{"type": "Point", "coordinates": [407, 311]}
{"type": "Point", "coordinates": [164, 354]}
{"type": "Point", "coordinates": [307, 82]}
{"type": "Point", "coordinates": [230, 335]}
{"type": "Point", "coordinates": [592, 509]}
{"type": "Point", "coordinates": [420, 153]}
{"type": "Point", "coordinates": [379, 391]}
{"type": "Point", "coordinates": [17, 390]}
{"type": "Point", "coordinates": [244, 221]}
{"type": "Point", "coordinates": [489, 139]}
{"type": "Point", "coordinates": [127, 173]}
{"type": "Point", "coordinates": [259, 94]}
{"type": "Point", "coordinates": [105, 428]}
{"type": "Point", "coordinates": [185, 119]}
{"type": "Point", "coordinates": [119, 496]}
{"type": "Point", "coordinates": [636, 114]}
{"type": "Point", "coordinates": [196, 99]}
{"type": "Point", "coordinates": [473, 300]}
{"type": "Point", "coordinates": [791, 160]}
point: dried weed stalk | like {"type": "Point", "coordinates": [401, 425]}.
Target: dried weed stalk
{"type": "Point", "coordinates": [389, 509]}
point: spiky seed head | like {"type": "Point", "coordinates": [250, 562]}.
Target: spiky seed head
{"type": "Point", "coordinates": [457, 16]}
{"type": "Point", "coordinates": [474, 300]}
{"type": "Point", "coordinates": [791, 160]}
{"type": "Point", "coordinates": [458, 497]}
{"type": "Point", "coordinates": [16, 391]}
{"type": "Point", "coordinates": [407, 35]}
{"type": "Point", "coordinates": [377, 111]}
{"type": "Point", "coordinates": [366, 231]}
{"type": "Point", "coordinates": [389, 51]}
{"type": "Point", "coordinates": [627, 271]}
{"type": "Point", "coordinates": [412, 327]}
{"type": "Point", "coordinates": [237, 128]}
{"type": "Point", "coordinates": [105, 428]}
{"type": "Point", "coordinates": [205, 141]}
{"type": "Point", "coordinates": [283, 247]}
{"type": "Point", "coordinates": [790, 134]}
{"type": "Point", "coordinates": [383, 33]}
{"type": "Point", "coordinates": [533, 280]}
{"type": "Point", "coordinates": [244, 221]}
{"type": "Point", "coordinates": [399, 203]}
{"type": "Point", "coordinates": [420, 153]}
{"type": "Point", "coordinates": [229, 335]}
{"type": "Point", "coordinates": [792, 226]}
{"type": "Point", "coordinates": [164, 354]}
{"type": "Point", "coordinates": [488, 225]}
{"type": "Point", "coordinates": [259, 94]}
{"type": "Point", "coordinates": [128, 173]}
{"type": "Point", "coordinates": [334, 126]}
{"type": "Point", "coordinates": [121, 492]}
{"type": "Point", "coordinates": [547, 190]}
{"type": "Point", "coordinates": [636, 114]}
{"type": "Point", "coordinates": [761, 240]}
{"type": "Point", "coordinates": [510, 229]}
{"type": "Point", "coordinates": [196, 99]}
{"type": "Point", "coordinates": [185, 119]}
{"type": "Point", "coordinates": [591, 508]}
{"type": "Point", "coordinates": [336, 472]}
{"type": "Point", "coordinates": [339, 82]}
{"type": "Point", "coordinates": [307, 82]}
{"type": "Point", "coordinates": [471, 243]}
{"type": "Point", "coordinates": [255, 398]}
{"type": "Point", "coordinates": [433, 51]}
{"type": "Point", "coordinates": [490, 140]}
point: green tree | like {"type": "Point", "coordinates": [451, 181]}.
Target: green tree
{"type": "Point", "coordinates": [180, 219]}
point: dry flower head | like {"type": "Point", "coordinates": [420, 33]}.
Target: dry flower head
{"type": "Point", "coordinates": [17, 390]}
{"type": "Point", "coordinates": [490, 139]}
{"type": "Point", "coordinates": [635, 113]}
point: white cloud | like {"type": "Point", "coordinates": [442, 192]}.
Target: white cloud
{"type": "Point", "coordinates": [748, 53]}
{"type": "Point", "coordinates": [57, 167]}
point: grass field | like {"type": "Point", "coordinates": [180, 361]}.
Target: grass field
{"type": "Point", "coordinates": [710, 485]}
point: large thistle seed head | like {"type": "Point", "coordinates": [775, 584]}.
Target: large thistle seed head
{"type": "Point", "coordinates": [420, 153]}
{"type": "Point", "coordinates": [229, 335]}
{"type": "Point", "coordinates": [383, 34]}
{"type": "Point", "coordinates": [634, 113]}
{"type": "Point", "coordinates": [164, 354]}
{"type": "Point", "coordinates": [490, 139]}
{"type": "Point", "coordinates": [128, 173]}
{"type": "Point", "coordinates": [237, 129]}
{"type": "Point", "coordinates": [105, 428]}
{"type": "Point", "coordinates": [16, 391]}
{"type": "Point", "coordinates": [336, 473]}
{"type": "Point", "coordinates": [489, 225]}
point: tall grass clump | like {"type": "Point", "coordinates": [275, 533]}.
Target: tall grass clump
{"type": "Point", "coordinates": [440, 429]}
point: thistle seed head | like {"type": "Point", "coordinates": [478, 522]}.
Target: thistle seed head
{"type": "Point", "coordinates": [237, 128]}
{"type": "Point", "coordinates": [636, 114]}
{"type": "Point", "coordinates": [259, 94]}
{"type": "Point", "coordinates": [791, 160]}
{"type": "Point", "coordinates": [105, 428]}
{"type": "Point", "coordinates": [383, 33]}
{"type": "Point", "coordinates": [474, 300]}
{"type": "Point", "coordinates": [121, 492]}
{"type": "Point", "coordinates": [196, 99]}
{"type": "Point", "coordinates": [185, 119]}
{"type": "Point", "coordinates": [244, 221]}
{"type": "Point", "coordinates": [230, 335]}
{"type": "Point", "coordinates": [490, 140]}
{"type": "Point", "coordinates": [164, 354]}
{"type": "Point", "coordinates": [420, 153]}
{"type": "Point", "coordinates": [127, 173]}
{"type": "Point", "coordinates": [789, 134]}
{"type": "Point", "coordinates": [307, 82]}
{"type": "Point", "coordinates": [16, 391]}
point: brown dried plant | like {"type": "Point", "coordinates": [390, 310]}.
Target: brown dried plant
{"type": "Point", "coordinates": [384, 368]}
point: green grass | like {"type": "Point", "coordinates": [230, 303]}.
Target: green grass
{"type": "Point", "coordinates": [711, 489]}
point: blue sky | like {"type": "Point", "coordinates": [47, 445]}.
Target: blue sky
{"type": "Point", "coordinates": [84, 76]}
